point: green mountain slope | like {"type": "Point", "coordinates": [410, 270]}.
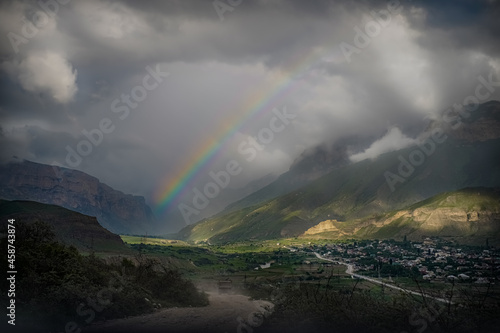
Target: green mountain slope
{"type": "Point", "coordinates": [467, 157]}
{"type": "Point", "coordinates": [468, 216]}
{"type": "Point", "coordinates": [481, 125]}
{"type": "Point", "coordinates": [311, 165]}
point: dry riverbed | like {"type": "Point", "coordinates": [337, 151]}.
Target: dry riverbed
{"type": "Point", "coordinates": [224, 314]}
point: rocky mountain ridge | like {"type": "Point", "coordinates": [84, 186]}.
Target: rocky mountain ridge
{"type": "Point", "coordinates": [77, 191]}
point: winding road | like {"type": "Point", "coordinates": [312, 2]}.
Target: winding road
{"type": "Point", "coordinates": [350, 271]}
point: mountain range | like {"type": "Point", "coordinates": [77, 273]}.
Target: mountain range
{"type": "Point", "coordinates": [445, 185]}
{"type": "Point", "coordinates": [451, 156]}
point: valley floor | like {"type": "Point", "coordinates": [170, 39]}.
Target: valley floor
{"type": "Point", "coordinates": [225, 313]}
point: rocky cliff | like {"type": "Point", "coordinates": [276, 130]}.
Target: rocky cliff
{"type": "Point", "coordinates": [77, 191]}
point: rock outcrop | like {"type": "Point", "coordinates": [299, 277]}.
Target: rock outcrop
{"type": "Point", "coordinates": [325, 226]}
{"type": "Point", "coordinates": [77, 191]}
{"type": "Point", "coordinates": [467, 216]}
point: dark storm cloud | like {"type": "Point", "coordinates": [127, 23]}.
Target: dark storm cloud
{"type": "Point", "coordinates": [462, 24]}
{"type": "Point", "coordinates": [34, 143]}
{"type": "Point", "coordinates": [64, 79]}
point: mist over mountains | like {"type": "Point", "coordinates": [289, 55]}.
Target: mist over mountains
{"type": "Point", "coordinates": [446, 158]}
{"type": "Point", "coordinates": [167, 84]}
{"type": "Point", "coordinates": [151, 99]}
{"type": "Point", "coordinates": [323, 184]}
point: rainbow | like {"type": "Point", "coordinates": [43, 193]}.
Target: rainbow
{"type": "Point", "coordinates": [257, 104]}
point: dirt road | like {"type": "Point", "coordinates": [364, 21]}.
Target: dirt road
{"type": "Point", "coordinates": [221, 315]}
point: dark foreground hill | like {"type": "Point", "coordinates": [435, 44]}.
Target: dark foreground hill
{"type": "Point", "coordinates": [58, 289]}
{"type": "Point", "coordinates": [71, 228]}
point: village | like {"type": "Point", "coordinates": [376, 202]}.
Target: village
{"type": "Point", "coordinates": [433, 259]}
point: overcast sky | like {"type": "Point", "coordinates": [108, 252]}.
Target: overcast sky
{"type": "Point", "coordinates": [375, 69]}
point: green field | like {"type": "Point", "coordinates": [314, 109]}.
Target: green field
{"type": "Point", "coordinates": [151, 241]}
{"type": "Point", "coordinates": [240, 261]}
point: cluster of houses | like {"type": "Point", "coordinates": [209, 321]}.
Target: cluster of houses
{"type": "Point", "coordinates": [434, 259]}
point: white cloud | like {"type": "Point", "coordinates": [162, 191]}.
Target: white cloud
{"type": "Point", "coordinates": [393, 140]}
{"type": "Point", "coordinates": [47, 72]}
{"type": "Point", "coordinates": [406, 64]}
